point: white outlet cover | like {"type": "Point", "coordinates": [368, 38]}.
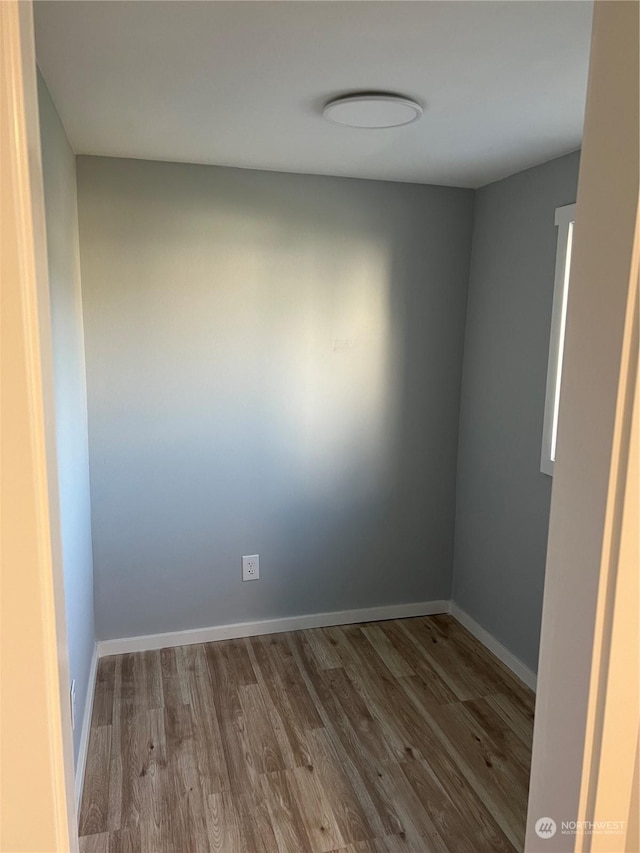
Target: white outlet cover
{"type": "Point", "coordinates": [72, 699]}
{"type": "Point", "coordinates": [251, 568]}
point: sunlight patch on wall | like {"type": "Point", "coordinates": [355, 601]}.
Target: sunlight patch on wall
{"type": "Point", "coordinates": [278, 354]}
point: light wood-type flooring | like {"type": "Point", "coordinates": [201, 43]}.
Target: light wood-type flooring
{"type": "Point", "coordinates": [405, 735]}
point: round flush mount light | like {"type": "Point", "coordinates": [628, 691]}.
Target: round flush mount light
{"type": "Point", "coordinates": [372, 110]}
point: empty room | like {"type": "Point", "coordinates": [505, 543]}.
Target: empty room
{"type": "Point", "coordinates": [318, 319]}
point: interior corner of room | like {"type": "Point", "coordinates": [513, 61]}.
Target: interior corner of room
{"type": "Point", "coordinates": [345, 374]}
{"type": "Point", "coordinates": [225, 417]}
{"type": "Point", "coordinates": [306, 366]}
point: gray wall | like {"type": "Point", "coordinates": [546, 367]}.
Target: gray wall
{"type": "Point", "coordinates": [503, 499]}
{"type": "Point", "coordinates": [59, 169]}
{"type": "Point", "coordinates": [274, 367]}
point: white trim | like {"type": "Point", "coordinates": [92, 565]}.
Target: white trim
{"type": "Point", "coordinates": [268, 626]}
{"type": "Point", "coordinates": [565, 215]}
{"type": "Point", "coordinates": [489, 641]}
{"type": "Point", "coordinates": [86, 729]}
{"type": "Point", "coordinates": [149, 642]}
{"type": "Point", "coordinates": [40, 815]}
{"type": "Point", "coordinates": [565, 219]}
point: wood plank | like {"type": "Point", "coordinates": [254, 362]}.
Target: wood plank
{"type": "Point", "coordinates": [452, 667]}
{"type": "Point", "coordinates": [362, 847]}
{"type": "Point", "coordinates": [286, 818]}
{"type": "Point", "coordinates": [222, 824]}
{"type": "Point", "coordinates": [411, 724]}
{"type": "Point", "coordinates": [416, 822]}
{"type": "Point", "coordinates": [152, 680]}
{"type": "Point", "coordinates": [129, 729]}
{"type": "Point", "coordinates": [98, 843]}
{"type": "Point", "coordinates": [153, 778]}
{"type": "Point", "coordinates": [396, 663]}
{"type": "Point", "coordinates": [362, 748]}
{"type": "Point", "coordinates": [371, 684]}
{"type": "Point", "coordinates": [398, 844]}
{"type": "Point", "coordinates": [95, 798]}
{"type": "Point", "coordinates": [322, 648]}
{"type": "Point", "coordinates": [207, 740]}
{"type": "Point", "coordinates": [459, 823]}
{"type": "Point", "coordinates": [261, 738]}
{"type": "Point", "coordinates": [278, 725]}
{"type": "Point", "coordinates": [242, 770]}
{"type": "Point", "coordinates": [520, 721]}
{"type": "Point", "coordinates": [344, 803]}
{"type": "Point", "coordinates": [361, 768]}
{"type": "Point", "coordinates": [497, 677]}
{"type": "Point", "coordinates": [174, 685]}
{"type": "Point", "coordinates": [437, 817]}
{"type": "Point", "coordinates": [280, 699]}
{"type": "Point", "coordinates": [103, 696]}
{"type": "Point", "coordinates": [254, 819]}
{"type": "Point", "coordinates": [184, 824]}
{"type": "Point", "coordinates": [405, 726]}
{"type": "Point", "coordinates": [114, 816]}
{"type": "Point", "coordinates": [317, 815]}
{"type": "Point", "coordinates": [240, 662]}
{"type": "Point", "coordinates": [435, 689]}
{"type": "Point", "coordinates": [464, 767]}
{"type": "Point", "coordinates": [131, 685]}
{"type": "Point", "coordinates": [479, 717]}
{"type": "Point", "coordinates": [340, 693]}
{"type": "Point", "coordinates": [291, 680]}
{"type": "Point", "coordinates": [127, 841]}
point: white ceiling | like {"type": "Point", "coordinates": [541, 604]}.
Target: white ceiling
{"type": "Point", "coordinates": [243, 83]}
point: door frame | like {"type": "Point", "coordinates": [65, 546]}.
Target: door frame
{"type": "Point", "coordinates": [38, 808]}
{"type": "Point", "coordinates": [36, 757]}
{"type": "Point", "coordinates": [588, 667]}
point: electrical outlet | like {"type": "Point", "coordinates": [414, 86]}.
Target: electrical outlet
{"type": "Point", "coordinates": [251, 568]}
{"type": "Point", "coordinates": [72, 702]}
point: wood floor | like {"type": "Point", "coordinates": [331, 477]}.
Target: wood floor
{"type": "Point", "coordinates": [392, 736]}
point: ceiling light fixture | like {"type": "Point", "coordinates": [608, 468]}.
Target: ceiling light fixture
{"type": "Point", "coordinates": [372, 110]}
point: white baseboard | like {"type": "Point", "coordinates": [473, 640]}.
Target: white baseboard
{"type": "Point", "coordinates": [148, 642]}
{"type": "Point", "coordinates": [86, 729]}
{"type": "Point", "coordinates": [501, 652]}
{"type": "Point", "coordinates": [268, 626]}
